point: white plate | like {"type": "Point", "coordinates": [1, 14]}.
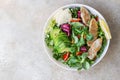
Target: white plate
{"type": "Point", "coordinates": [49, 52]}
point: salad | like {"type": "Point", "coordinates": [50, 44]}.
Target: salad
{"type": "Point", "coordinates": [76, 37]}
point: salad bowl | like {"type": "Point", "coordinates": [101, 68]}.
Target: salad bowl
{"type": "Point", "coordinates": [84, 53]}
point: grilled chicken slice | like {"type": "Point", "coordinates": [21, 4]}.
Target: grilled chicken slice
{"type": "Point", "coordinates": [93, 29]}
{"type": "Point", "coordinates": [85, 15]}
{"type": "Point", "coordinates": [95, 47]}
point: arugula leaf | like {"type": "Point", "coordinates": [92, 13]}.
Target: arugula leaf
{"type": "Point", "coordinates": [100, 32]}
{"type": "Point", "coordinates": [81, 42]}
{"type": "Point", "coordinates": [78, 31]}
{"type": "Point", "coordinates": [89, 37]}
{"type": "Point", "coordinates": [101, 35]}
{"type": "Point", "coordinates": [74, 37]}
{"type": "Point", "coordinates": [73, 48]}
{"type": "Point", "coordinates": [90, 61]}
{"type": "Point", "coordinates": [84, 61]}
{"type": "Point", "coordinates": [102, 48]}
{"type": "Point", "coordinates": [83, 57]}
{"type": "Point", "coordinates": [57, 56]}
{"type": "Point", "coordinates": [92, 16]}
{"type": "Point", "coordinates": [74, 11]}
{"type": "Point", "coordinates": [48, 40]}
{"type": "Point", "coordinates": [85, 30]}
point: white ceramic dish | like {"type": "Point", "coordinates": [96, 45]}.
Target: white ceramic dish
{"type": "Point", "coordinates": [49, 52]}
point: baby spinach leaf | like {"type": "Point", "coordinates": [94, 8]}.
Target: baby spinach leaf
{"type": "Point", "coordinates": [57, 56]}
{"type": "Point", "coordinates": [74, 62]}
{"type": "Point", "coordinates": [86, 65]}
{"type": "Point", "coordinates": [76, 24]}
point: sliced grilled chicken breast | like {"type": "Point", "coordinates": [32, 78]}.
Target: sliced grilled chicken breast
{"type": "Point", "coordinates": [93, 29]}
{"type": "Point", "coordinates": [85, 15]}
{"type": "Point", "coordinates": [95, 47]}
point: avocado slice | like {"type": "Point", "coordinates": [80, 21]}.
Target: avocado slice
{"type": "Point", "coordinates": [54, 33]}
{"type": "Point", "coordinates": [62, 48]}
{"type": "Point", "coordinates": [60, 40]}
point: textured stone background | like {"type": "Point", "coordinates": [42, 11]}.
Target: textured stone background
{"type": "Point", "coordinates": [21, 51]}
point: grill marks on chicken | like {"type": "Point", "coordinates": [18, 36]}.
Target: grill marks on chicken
{"type": "Point", "coordinates": [85, 15]}
{"type": "Point", "coordinates": [95, 47]}
{"type": "Point", "coordinates": [93, 29]}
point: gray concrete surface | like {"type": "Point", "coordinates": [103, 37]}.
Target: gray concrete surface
{"type": "Point", "coordinates": [21, 51]}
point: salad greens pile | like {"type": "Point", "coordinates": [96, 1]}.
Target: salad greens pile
{"type": "Point", "coordinates": [68, 41]}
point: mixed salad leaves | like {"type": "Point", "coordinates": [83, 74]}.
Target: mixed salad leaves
{"type": "Point", "coordinates": [68, 40]}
